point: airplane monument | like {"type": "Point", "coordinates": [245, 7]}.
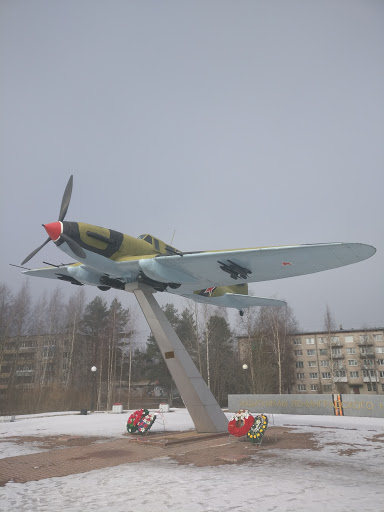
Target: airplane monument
{"type": "Point", "coordinates": [145, 265]}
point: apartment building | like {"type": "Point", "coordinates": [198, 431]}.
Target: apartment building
{"type": "Point", "coordinates": [30, 361]}
{"type": "Point", "coordinates": [337, 362]}
{"type": "Point", "coordinates": [341, 361]}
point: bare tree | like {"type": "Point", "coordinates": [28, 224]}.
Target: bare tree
{"type": "Point", "coordinates": [276, 325]}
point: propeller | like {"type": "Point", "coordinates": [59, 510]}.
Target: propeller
{"type": "Point", "coordinates": [74, 246]}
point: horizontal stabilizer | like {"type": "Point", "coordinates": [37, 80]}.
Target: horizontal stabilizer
{"type": "Point", "coordinates": [235, 300]}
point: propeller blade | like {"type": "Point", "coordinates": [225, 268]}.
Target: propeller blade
{"type": "Point", "coordinates": [66, 199]}
{"type": "Point", "coordinates": [35, 251]}
{"type": "Point", "coordinates": [74, 246]}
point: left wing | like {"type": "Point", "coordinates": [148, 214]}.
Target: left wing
{"type": "Point", "coordinates": [254, 265]}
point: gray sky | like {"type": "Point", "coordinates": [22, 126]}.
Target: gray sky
{"type": "Point", "coordinates": [237, 124]}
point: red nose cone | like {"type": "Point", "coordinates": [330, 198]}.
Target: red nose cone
{"type": "Point", "coordinates": [54, 230]}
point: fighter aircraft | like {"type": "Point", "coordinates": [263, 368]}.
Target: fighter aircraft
{"type": "Point", "coordinates": [108, 259]}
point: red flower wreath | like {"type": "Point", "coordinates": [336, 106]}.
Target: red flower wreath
{"type": "Point", "coordinates": [240, 423]}
{"type": "Point", "coordinates": [134, 419]}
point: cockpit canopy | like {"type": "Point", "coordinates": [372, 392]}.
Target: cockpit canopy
{"type": "Point", "coordinates": [158, 245]}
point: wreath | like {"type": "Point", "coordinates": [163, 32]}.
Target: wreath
{"type": "Point", "coordinates": [240, 423]}
{"type": "Point", "coordinates": [134, 419]}
{"type": "Point", "coordinates": [140, 421]}
{"type": "Point", "coordinates": [146, 423]}
{"type": "Point", "coordinates": [256, 432]}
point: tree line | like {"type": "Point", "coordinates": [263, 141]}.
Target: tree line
{"type": "Point", "coordinates": [68, 336]}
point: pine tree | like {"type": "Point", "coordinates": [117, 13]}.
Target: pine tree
{"type": "Point", "coordinates": [221, 352]}
{"type": "Point", "coordinates": [94, 324]}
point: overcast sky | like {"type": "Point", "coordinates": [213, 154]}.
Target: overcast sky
{"type": "Point", "coordinates": [233, 123]}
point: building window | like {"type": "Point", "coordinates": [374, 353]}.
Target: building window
{"type": "Point", "coordinates": [28, 344]}
{"type": "Point", "coordinates": [381, 374]}
{"type": "Point", "coordinates": [326, 375]}
{"type": "Point", "coordinates": [351, 350]}
{"type": "Point", "coordinates": [311, 352]}
{"type": "Point", "coordinates": [297, 341]}
{"type": "Point", "coordinates": [378, 337]}
{"type": "Point", "coordinates": [312, 364]}
{"type": "Point", "coordinates": [300, 376]}
{"type": "Point", "coordinates": [340, 373]}
{"type": "Point", "coordinates": [335, 340]}
{"type": "Point", "coordinates": [327, 387]}
{"type": "Point", "coordinates": [310, 341]}
{"type": "Point", "coordinates": [301, 387]}
{"type": "Point", "coordinates": [322, 339]}
{"type": "Point", "coordinates": [336, 352]}
{"type": "Point", "coordinates": [380, 361]}
{"type": "Point", "coordinates": [298, 352]}
{"type": "Point", "coordinates": [323, 352]}
{"type": "Point", "coordinates": [372, 386]}
{"type": "Point", "coordinates": [299, 364]}
{"type": "Point", "coordinates": [368, 362]}
{"type": "Point", "coordinates": [314, 387]}
{"type": "Point", "coordinates": [313, 375]}
{"type": "Point", "coordinates": [380, 350]}
{"type": "Point", "coordinates": [324, 363]}
{"type": "Point", "coordinates": [348, 339]}
{"type": "Point", "coordinates": [369, 373]}
{"type": "Point", "coordinates": [352, 362]}
{"type": "Point", "coordinates": [354, 375]}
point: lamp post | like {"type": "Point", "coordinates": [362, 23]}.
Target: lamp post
{"type": "Point", "coordinates": [93, 370]}
{"type": "Point", "coordinates": [245, 368]}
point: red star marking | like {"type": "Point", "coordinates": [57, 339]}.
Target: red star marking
{"type": "Point", "coordinates": [284, 263]}
{"type": "Point", "coordinates": [210, 290]}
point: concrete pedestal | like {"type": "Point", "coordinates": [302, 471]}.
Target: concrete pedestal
{"type": "Point", "coordinates": [198, 398]}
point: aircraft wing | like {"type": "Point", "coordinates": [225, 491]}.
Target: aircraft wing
{"type": "Point", "coordinates": [235, 300]}
{"type": "Point", "coordinates": [75, 273]}
{"type": "Point", "coordinates": [217, 268]}
{"type": "Point", "coordinates": [222, 268]}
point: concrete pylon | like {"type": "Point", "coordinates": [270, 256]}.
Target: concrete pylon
{"type": "Point", "coordinates": [198, 398]}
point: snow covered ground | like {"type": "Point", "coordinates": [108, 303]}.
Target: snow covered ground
{"type": "Point", "coordinates": [345, 474]}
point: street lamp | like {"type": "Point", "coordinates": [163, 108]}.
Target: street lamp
{"type": "Point", "coordinates": [245, 367]}
{"type": "Point", "coordinates": [93, 370]}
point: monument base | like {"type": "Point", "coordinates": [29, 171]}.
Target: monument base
{"type": "Point", "coordinates": [205, 412]}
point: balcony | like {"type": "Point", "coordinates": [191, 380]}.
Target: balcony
{"type": "Point", "coordinates": [365, 343]}
{"type": "Point", "coordinates": [367, 355]}
{"type": "Point", "coordinates": [337, 356]}
{"type": "Point", "coordinates": [26, 360]}
{"type": "Point", "coordinates": [336, 343]}
{"type": "Point", "coordinates": [24, 373]}
{"type": "Point", "coordinates": [340, 379]}
{"type": "Point", "coordinates": [370, 379]}
{"type": "Point", "coordinates": [23, 350]}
